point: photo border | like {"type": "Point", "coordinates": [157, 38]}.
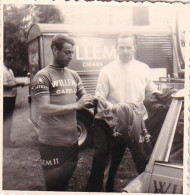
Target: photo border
{"type": "Point", "coordinates": [187, 88]}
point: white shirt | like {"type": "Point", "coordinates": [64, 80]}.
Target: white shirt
{"type": "Point", "coordinates": [126, 83]}
{"type": "Point", "coordinates": [9, 79]}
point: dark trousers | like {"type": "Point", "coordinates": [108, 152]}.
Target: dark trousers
{"type": "Point", "coordinates": [8, 109]}
{"type": "Point", "coordinates": [58, 164]}
{"type": "Point", "coordinates": [104, 145]}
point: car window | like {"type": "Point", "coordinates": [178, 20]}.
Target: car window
{"type": "Point", "coordinates": [176, 154]}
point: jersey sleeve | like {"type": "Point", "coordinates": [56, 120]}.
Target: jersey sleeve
{"type": "Point", "coordinates": [80, 88]}
{"type": "Point", "coordinates": [40, 86]}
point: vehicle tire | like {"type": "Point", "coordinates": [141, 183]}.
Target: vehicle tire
{"type": "Point", "coordinates": [84, 128]}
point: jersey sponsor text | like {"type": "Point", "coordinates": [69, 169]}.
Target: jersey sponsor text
{"type": "Point", "coordinates": [54, 161]}
{"type": "Point", "coordinates": [63, 82]}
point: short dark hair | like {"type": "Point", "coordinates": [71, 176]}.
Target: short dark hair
{"type": "Point", "coordinates": [59, 39]}
{"type": "Point", "coordinates": [9, 57]}
{"type": "Point", "coordinates": [124, 36]}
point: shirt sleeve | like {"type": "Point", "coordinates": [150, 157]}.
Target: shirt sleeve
{"type": "Point", "coordinates": [102, 88]}
{"type": "Point", "coordinates": [150, 87]}
{"type": "Point", "coordinates": [40, 86]}
{"type": "Point", "coordinates": [80, 88]}
{"type": "Point", "coordinates": [5, 80]}
{"type": "Point", "coordinates": [8, 77]}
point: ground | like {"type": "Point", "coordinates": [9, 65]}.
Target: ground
{"type": "Point", "coordinates": [21, 166]}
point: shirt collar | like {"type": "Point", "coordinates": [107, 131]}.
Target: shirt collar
{"type": "Point", "coordinates": [127, 63]}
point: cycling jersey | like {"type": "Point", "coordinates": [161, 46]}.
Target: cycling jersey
{"type": "Point", "coordinates": [63, 86]}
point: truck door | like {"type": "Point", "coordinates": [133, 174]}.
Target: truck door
{"type": "Point", "coordinates": [33, 55]}
{"type": "Point", "coordinates": [34, 67]}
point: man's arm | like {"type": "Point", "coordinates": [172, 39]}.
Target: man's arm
{"type": "Point", "coordinates": [8, 86]}
{"type": "Point", "coordinates": [47, 109]}
{"type": "Point", "coordinates": [40, 85]}
{"type": "Point", "coordinates": [102, 89]}
{"type": "Point", "coordinates": [80, 88]}
{"type": "Point", "coordinates": [151, 87]}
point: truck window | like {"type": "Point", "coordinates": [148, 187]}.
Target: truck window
{"type": "Point", "coordinates": [176, 155]}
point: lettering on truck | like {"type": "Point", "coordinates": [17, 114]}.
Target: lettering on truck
{"type": "Point", "coordinates": [164, 187]}
{"type": "Point", "coordinates": [92, 64]}
{"type": "Point", "coordinates": [91, 54]}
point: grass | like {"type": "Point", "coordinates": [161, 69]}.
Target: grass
{"type": "Point", "coordinates": [21, 166]}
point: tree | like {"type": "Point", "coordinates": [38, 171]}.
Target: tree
{"type": "Point", "coordinates": [48, 14]}
{"type": "Point", "coordinates": [16, 24]}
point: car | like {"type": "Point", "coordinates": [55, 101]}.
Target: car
{"type": "Point", "coordinates": [164, 171]}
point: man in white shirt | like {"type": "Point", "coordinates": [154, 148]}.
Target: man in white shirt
{"type": "Point", "coordinates": [125, 80]}
{"type": "Point", "coordinates": [9, 98]}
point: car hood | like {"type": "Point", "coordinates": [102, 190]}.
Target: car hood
{"type": "Point", "coordinates": [139, 184]}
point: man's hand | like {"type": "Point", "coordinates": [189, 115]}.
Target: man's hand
{"type": "Point", "coordinates": [21, 84]}
{"type": "Point", "coordinates": [85, 100]}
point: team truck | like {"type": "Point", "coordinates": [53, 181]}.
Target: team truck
{"type": "Point", "coordinates": [95, 48]}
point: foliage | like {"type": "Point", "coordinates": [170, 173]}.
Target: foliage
{"type": "Point", "coordinates": [17, 21]}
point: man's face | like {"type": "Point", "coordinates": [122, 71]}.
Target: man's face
{"type": "Point", "coordinates": [10, 63]}
{"type": "Point", "coordinates": [125, 49]}
{"type": "Point", "coordinates": [64, 56]}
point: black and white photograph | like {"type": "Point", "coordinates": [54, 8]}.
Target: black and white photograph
{"type": "Point", "coordinates": [95, 97]}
